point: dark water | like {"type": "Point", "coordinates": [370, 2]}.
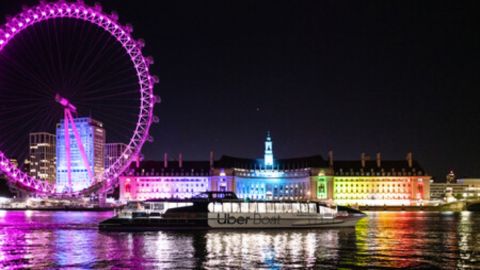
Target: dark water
{"type": "Point", "coordinates": [70, 240]}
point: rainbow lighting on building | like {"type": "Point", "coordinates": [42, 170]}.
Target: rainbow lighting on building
{"type": "Point", "coordinates": [380, 182]}
{"type": "Point", "coordinates": [154, 179]}
{"type": "Point", "coordinates": [361, 182]}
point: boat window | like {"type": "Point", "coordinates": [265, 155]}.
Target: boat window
{"type": "Point", "coordinates": [210, 207]}
{"type": "Point", "coordinates": [270, 208]}
{"type": "Point", "coordinates": [295, 207]}
{"type": "Point", "coordinates": [215, 207]}
{"type": "Point", "coordinates": [235, 207]}
{"type": "Point", "coordinates": [252, 207]}
{"type": "Point", "coordinates": [227, 207]}
{"type": "Point", "coordinates": [287, 208]}
{"type": "Point", "coordinates": [262, 208]}
{"type": "Point", "coordinates": [312, 207]}
{"type": "Point", "coordinates": [279, 207]}
{"type": "Point", "coordinates": [304, 208]}
{"type": "Point", "coordinates": [132, 205]}
{"type": "Point", "coordinates": [244, 207]}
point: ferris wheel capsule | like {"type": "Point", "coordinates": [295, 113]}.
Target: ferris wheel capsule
{"type": "Point", "coordinates": [114, 16]}
{"type": "Point", "coordinates": [98, 7]}
{"type": "Point", "coordinates": [80, 11]}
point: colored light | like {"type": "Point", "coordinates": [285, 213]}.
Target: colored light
{"type": "Point", "coordinates": [138, 60]}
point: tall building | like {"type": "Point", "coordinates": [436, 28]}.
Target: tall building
{"type": "Point", "coordinates": [92, 136]}
{"type": "Point", "coordinates": [42, 156]}
{"type": "Point", "coordinates": [112, 152]}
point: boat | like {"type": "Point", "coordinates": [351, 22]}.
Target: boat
{"type": "Point", "coordinates": [223, 210]}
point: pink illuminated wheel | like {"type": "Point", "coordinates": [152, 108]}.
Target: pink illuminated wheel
{"type": "Point", "coordinates": [58, 13]}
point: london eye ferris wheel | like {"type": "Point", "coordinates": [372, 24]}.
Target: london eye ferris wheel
{"type": "Point", "coordinates": [72, 73]}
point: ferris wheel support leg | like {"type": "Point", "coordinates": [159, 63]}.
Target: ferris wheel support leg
{"type": "Point", "coordinates": [102, 197]}
{"type": "Point", "coordinates": [80, 147]}
{"type": "Point", "coordinates": [67, 151]}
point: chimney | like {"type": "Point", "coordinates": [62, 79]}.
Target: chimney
{"type": "Point", "coordinates": [379, 160]}
{"type": "Point", "coordinates": [211, 159]}
{"type": "Point", "coordinates": [410, 159]}
{"type": "Point", "coordinates": [180, 160]}
{"type": "Point", "coordinates": [165, 160]}
{"type": "Point", "coordinates": [362, 159]}
{"type": "Point", "coordinates": [330, 158]}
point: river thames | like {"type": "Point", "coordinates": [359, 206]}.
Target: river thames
{"type": "Point", "coordinates": [71, 240]}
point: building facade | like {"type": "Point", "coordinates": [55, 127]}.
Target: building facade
{"type": "Point", "coordinates": [155, 179]}
{"type": "Point", "coordinates": [113, 151]}
{"type": "Point", "coordinates": [362, 182]}
{"type": "Point", "coordinates": [42, 156]}
{"type": "Point", "coordinates": [92, 137]}
{"type": "Point", "coordinates": [464, 188]}
{"type": "Point", "coordinates": [378, 182]}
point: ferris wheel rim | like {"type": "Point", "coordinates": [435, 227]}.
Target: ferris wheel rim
{"type": "Point", "coordinates": [123, 35]}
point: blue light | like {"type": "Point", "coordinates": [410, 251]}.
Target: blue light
{"type": "Point", "coordinates": [92, 136]}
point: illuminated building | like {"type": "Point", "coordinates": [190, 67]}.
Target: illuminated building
{"type": "Point", "coordinates": [154, 179]}
{"type": "Point", "coordinates": [42, 155]}
{"type": "Point", "coordinates": [472, 189]}
{"type": "Point", "coordinates": [361, 182]}
{"type": "Point", "coordinates": [92, 136]}
{"type": "Point", "coordinates": [290, 179]}
{"type": "Point", "coordinates": [112, 152]}
{"type": "Point", "coordinates": [380, 182]}
{"type": "Point", "coordinates": [464, 188]}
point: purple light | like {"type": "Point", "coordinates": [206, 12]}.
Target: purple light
{"type": "Point", "coordinates": [45, 11]}
{"type": "Point", "coordinates": [65, 103]}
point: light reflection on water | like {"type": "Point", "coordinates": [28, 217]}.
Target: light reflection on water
{"type": "Point", "coordinates": [52, 240]}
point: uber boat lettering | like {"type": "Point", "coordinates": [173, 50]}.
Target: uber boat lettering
{"type": "Point", "coordinates": [256, 219]}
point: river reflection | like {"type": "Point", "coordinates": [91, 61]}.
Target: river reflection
{"type": "Point", "coordinates": [70, 240]}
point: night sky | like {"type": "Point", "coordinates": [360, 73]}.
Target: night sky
{"type": "Point", "coordinates": [347, 76]}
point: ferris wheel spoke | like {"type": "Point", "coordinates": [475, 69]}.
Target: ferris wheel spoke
{"type": "Point", "coordinates": [22, 71]}
{"type": "Point", "coordinates": [42, 58]}
{"type": "Point", "coordinates": [94, 71]}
